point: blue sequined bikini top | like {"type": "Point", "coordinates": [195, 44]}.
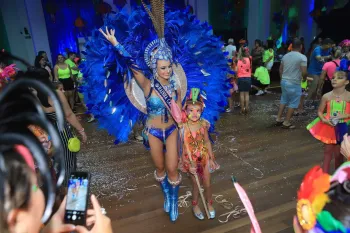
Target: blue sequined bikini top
{"type": "Point", "coordinates": [155, 106]}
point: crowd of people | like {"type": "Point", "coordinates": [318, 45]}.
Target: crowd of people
{"type": "Point", "coordinates": [37, 148]}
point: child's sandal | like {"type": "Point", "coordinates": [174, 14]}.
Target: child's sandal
{"type": "Point", "coordinates": [211, 212]}
{"type": "Point", "coordinates": [199, 215]}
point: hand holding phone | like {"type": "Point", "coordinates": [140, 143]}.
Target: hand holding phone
{"type": "Point", "coordinates": [77, 198]}
{"type": "Point", "coordinates": [101, 222]}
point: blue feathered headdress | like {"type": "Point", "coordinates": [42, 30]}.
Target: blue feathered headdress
{"type": "Point", "coordinates": [192, 45]}
{"type": "Point", "coordinates": [344, 66]}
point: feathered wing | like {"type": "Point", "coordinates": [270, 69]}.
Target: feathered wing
{"type": "Point", "coordinates": [193, 46]}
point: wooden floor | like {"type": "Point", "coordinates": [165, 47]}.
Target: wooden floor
{"type": "Point", "coordinates": [268, 161]}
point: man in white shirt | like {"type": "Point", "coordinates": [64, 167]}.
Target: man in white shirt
{"type": "Point", "coordinates": [230, 48]}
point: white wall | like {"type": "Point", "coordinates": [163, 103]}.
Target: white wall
{"type": "Point", "coordinates": [259, 19]}
{"type": "Point", "coordinates": [37, 25]}
{"type": "Point", "coordinates": [21, 14]}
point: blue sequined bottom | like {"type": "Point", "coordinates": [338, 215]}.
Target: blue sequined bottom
{"type": "Point", "coordinates": [161, 134]}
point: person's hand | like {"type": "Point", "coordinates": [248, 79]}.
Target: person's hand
{"type": "Point", "coordinates": [345, 147]}
{"type": "Point", "coordinates": [101, 222]}
{"type": "Point", "coordinates": [213, 165]}
{"type": "Point", "coordinates": [56, 224]}
{"type": "Point", "coordinates": [296, 226]}
{"type": "Point", "coordinates": [327, 122]}
{"type": "Point", "coordinates": [83, 135]}
{"type": "Point", "coordinates": [342, 115]}
{"type": "Point", "coordinates": [109, 35]}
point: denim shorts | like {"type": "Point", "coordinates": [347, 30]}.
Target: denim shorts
{"type": "Point", "coordinates": [244, 84]}
{"type": "Point", "coordinates": [291, 94]}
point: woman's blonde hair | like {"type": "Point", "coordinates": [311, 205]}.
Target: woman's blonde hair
{"type": "Point", "coordinates": [242, 53]}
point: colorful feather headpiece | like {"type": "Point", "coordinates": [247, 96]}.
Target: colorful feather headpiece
{"type": "Point", "coordinates": [196, 96]}
{"type": "Point", "coordinates": [158, 49]}
{"type": "Point", "coordinates": [344, 66]}
{"type": "Point", "coordinates": [345, 43]}
{"type": "Point", "coordinates": [318, 189]}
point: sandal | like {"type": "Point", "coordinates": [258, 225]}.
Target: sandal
{"type": "Point", "coordinates": [199, 215]}
{"type": "Point", "coordinates": [279, 123]}
{"type": "Point", "coordinates": [211, 212]}
{"type": "Point", "coordinates": [291, 126]}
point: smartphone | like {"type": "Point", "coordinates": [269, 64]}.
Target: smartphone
{"type": "Point", "coordinates": [77, 198]}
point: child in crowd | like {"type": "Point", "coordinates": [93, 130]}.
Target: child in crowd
{"type": "Point", "coordinates": [198, 158]}
{"type": "Point", "coordinates": [330, 128]}
{"type": "Point", "coordinates": [261, 79]}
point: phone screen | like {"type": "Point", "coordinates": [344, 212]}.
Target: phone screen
{"type": "Point", "coordinates": [77, 198]}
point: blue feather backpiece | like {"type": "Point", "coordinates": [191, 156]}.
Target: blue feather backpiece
{"type": "Point", "coordinates": [105, 70]}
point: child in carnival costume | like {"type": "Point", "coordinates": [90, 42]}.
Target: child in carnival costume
{"type": "Point", "coordinates": [145, 74]}
{"type": "Point", "coordinates": [198, 146]}
{"type": "Point", "coordinates": [330, 128]}
{"type": "Point", "coordinates": [324, 202]}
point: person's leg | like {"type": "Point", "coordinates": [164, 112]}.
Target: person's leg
{"type": "Point", "coordinates": [280, 112]}
{"type": "Point", "coordinates": [241, 100]}
{"type": "Point", "coordinates": [327, 157]}
{"type": "Point", "coordinates": [338, 157]}
{"type": "Point", "coordinates": [246, 101]}
{"type": "Point", "coordinates": [301, 104]}
{"type": "Point", "coordinates": [70, 98]}
{"type": "Point", "coordinates": [160, 176]}
{"type": "Point", "coordinates": [294, 94]}
{"type": "Point", "coordinates": [174, 178]}
{"type": "Point", "coordinates": [195, 199]}
{"type": "Point", "coordinates": [283, 102]}
{"type": "Point", "coordinates": [289, 116]}
{"type": "Point", "coordinates": [313, 87]}
{"type": "Point", "coordinates": [207, 190]}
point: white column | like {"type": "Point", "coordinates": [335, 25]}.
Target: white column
{"type": "Point", "coordinates": [37, 25]}
{"type": "Point", "coordinates": [266, 19]}
{"type": "Point", "coordinates": [253, 22]}
{"type": "Point", "coordinates": [307, 24]}
{"type": "Point", "coordinates": [259, 19]}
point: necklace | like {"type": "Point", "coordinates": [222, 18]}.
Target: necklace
{"type": "Point", "coordinates": [337, 97]}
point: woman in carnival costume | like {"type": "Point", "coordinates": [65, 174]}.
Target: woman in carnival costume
{"type": "Point", "coordinates": [330, 128]}
{"type": "Point", "coordinates": [198, 146]}
{"type": "Point", "coordinates": [324, 202]}
{"type": "Point", "coordinates": [154, 67]}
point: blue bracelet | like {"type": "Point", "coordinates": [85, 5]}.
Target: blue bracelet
{"type": "Point", "coordinates": [122, 50]}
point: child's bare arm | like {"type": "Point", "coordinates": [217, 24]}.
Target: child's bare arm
{"type": "Point", "coordinates": [321, 108]}
{"type": "Point", "coordinates": [208, 144]}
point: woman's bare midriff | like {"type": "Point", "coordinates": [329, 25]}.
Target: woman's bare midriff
{"type": "Point", "coordinates": [156, 122]}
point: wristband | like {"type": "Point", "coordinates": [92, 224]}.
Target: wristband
{"type": "Point", "coordinates": [122, 50]}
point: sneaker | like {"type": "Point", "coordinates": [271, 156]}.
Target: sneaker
{"type": "Point", "coordinates": [139, 138]}
{"type": "Point", "coordinates": [228, 110]}
{"type": "Point", "coordinates": [260, 92]}
{"type": "Point", "coordinates": [91, 119]}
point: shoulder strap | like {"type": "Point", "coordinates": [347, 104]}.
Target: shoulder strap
{"type": "Point", "coordinates": [336, 64]}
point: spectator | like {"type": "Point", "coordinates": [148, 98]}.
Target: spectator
{"type": "Point", "coordinates": [40, 62]}
{"type": "Point", "coordinates": [257, 54]}
{"type": "Point", "coordinates": [325, 84]}
{"type": "Point", "coordinates": [269, 54]}
{"type": "Point", "coordinates": [317, 59]}
{"type": "Point", "coordinates": [230, 48]}
{"type": "Point", "coordinates": [244, 73]}
{"type": "Point", "coordinates": [63, 73]}
{"type": "Point", "coordinates": [292, 68]}
{"type": "Point", "coordinates": [261, 79]}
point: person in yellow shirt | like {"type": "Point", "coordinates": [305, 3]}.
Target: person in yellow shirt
{"type": "Point", "coordinates": [261, 79]}
{"type": "Point", "coordinates": [75, 71]}
{"type": "Point", "coordinates": [74, 68]}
